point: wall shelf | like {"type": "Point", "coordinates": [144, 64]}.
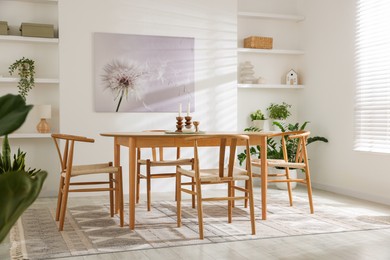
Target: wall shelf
{"type": "Point", "coordinates": [29, 135]}
{"type": "Point", "coordinates": [270, 86]}
{"type": "Point", "coordinates": [296, 18]}
{"type": "Point", "coordinates": [271, 51]}
{"type": "Point", "coordinates": [15, 38]}
{"type": "Point", "coordinates": [37, 80]}
{"type": "Point", "coordinates": [35, 1]}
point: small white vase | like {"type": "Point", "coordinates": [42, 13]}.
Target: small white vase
{"type": "Point", "coordinates": [261, 124]}
{"type": "Point", "coordinates": [275, 127]}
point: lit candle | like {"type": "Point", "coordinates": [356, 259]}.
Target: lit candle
{"type": "Point", "coordinates": [188, 109]}
{"type": "Point", "coordinates": [180, 110]}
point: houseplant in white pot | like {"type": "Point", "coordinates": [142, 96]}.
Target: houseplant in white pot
{"type": "Point", "coordinates": [274, 148]}
{"type": "Point", "coordinates": [259, 120]}
{"type": "Point", "coordinates": [279, 113]}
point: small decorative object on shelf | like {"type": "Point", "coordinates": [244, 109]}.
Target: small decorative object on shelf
{"type": "Point", "coordinates": [292, 78]}
{"type": "Point", "coordinates": [179, 124]}
{"type": "Point", "coordinates": [196, 124]}
{"type": "Point", "coordinates": [247, 73]}
{"type": "Point", "coordinates": [44, 113]}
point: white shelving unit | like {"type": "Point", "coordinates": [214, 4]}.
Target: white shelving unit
{"type": "Point", "coordinates": [28, 136]}
{"type": "Point", "coordinates": [36, 80]}
{"type": "Point", "coordinates": [258, 54]}
{"type": "Point", "coordinates": [271, 51]}
{"type": "Point", "coordinates": [296, 18]}
{"type": "Point", "coordinates": [44, 51]}
{"type": "Point", "coordinates": [15, 38]}
{"type": "Point", "coordinates": [270, 86]}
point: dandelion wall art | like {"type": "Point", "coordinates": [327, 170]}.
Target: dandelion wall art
{"type": "Point", "coordinates": [141, 73]}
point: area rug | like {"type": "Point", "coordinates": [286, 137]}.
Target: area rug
{"type": "Point", "coordinates": [90, 230]}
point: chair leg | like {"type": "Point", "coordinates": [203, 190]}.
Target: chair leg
{"type": "Point", "coordinates": [59, 199]}
{"type": "Point", "coordinates": [138, 182]}
{"type": "Point", "coordinates": [119, 189]}
{"type": "Point", "coordinates": [246, 195]}
{"type": "Point", "coordinates": [230, 202]}
{"type": "Point", "coordinates": [200, 208]}
{"type": "Point", "coordinates": [193, 190]}
{"type": "Point", "coordinates": [289, 187]}
{"type": "Point", "coordinates": [178, 198]}
{"type": "Point", "coordinates": [111, 192]}
{"type": "Point", "coordinates": [148, 188]}
{"type": "Point", "coordinates": [309, 190]}
{"type": "Point", "coordinates": [64, 202]}
{"type": "Point", "coordinates": [251, 206]}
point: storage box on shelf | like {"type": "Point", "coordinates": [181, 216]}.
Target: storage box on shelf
{"type": "Point", "coordinates": [4, 28]}
{"type": "Point", "coordinates": [37, 30]}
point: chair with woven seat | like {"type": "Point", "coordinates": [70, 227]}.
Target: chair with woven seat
{"type": "Point", "coordinates": [294, 141]}
{"type": "Point", "coordinates": [70, 171]}
{"type": "Point", "coordinates": [157, 159]}
{"type": "Point", "coordinates": [227, 175]}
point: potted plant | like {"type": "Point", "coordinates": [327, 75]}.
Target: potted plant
{"type": "Point", "coordinates": [274, 148]}
{"type": "Point", "coordinates": [279, 113]}
{"type": "Point", "coordinates": [258, 119]}
{"type": "Point", "coordinates": [26, 72]}
{"type": "Point", "coordinates": [18, 188]}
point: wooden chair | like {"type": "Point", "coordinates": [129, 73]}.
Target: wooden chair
{"type": "Point", "coordinates": [70, 171]}
{"type": "Point", "coordinates": [221, 175]}
{"type": "Point", "coordinates": [157, 160]}
{"type": "Point", "coordinates": [298, 140]}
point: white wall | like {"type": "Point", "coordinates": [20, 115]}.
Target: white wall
{"type": "Point", "coordinates": [211, 23]}
{"type": "Point", "coordinates": [328, 101]}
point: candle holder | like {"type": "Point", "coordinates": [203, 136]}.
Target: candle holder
{"type": "Point", "coordinates": [179, 124]}
{"type": "Point", "coordinates": [196, 124]}
{"type": "Point", "coordinates": [188, 122]}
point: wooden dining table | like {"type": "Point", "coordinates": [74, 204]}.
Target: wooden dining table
{"type": "Point", "coordinates": [134, 140]}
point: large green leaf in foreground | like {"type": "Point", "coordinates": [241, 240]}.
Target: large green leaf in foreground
{"type": "Point", "coordinates": [13, 113]}
{"type": "Point", "coordinates": [18, 191]}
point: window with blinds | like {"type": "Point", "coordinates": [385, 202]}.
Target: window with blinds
{"type": "Point", "coordinates": [372, 105]}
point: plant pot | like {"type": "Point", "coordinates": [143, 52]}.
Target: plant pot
{"type": "Point", "coordinates": [283, 185]}
{"type": "Point", "coordinates": [261, 124]}
{"type": "Point", "coordinates": [275, 127]}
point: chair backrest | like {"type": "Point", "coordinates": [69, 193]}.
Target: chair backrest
{"type": "Point", "coordinates": [298, 145]}
{"type": "Point", "coordinates": [66, 156]}
{"type": "Point", "coordinates": [226, 142]}
{"type": "Point", "coordinates": [157, 152]}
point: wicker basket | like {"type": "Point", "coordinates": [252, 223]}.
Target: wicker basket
{"type": "Point", "coordinates": [258, 42]}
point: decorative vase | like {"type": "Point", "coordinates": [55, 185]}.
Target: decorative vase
{"type": "Point", "coordinates": [247, 73]}
{"type": "Point", "coordinates": [261, 124]}
{"type": "Point", "coordinates": [275, 127]}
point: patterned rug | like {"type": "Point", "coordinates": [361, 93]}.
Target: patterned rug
{"type": "Point", "coordinates": [90, 230]}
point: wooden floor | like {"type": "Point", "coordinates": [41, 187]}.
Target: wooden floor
{"type": "Point", "coordinates": [374, 244]}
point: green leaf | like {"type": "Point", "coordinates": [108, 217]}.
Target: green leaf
{"type": "Point", "coordinates": [18, 191]}
{"type": "Point", "coordinates": [13, 113]}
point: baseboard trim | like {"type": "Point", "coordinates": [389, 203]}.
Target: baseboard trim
{"type": "Point", "coordinates": [352, 193]}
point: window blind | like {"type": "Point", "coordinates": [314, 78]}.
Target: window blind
{"type": "Point", "coordinates": [372, 104]}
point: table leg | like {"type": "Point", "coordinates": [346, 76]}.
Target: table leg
{"type": "Point", "coordinates": [264, 175]}
{"type": "Point", "coordinates": [132, 182]}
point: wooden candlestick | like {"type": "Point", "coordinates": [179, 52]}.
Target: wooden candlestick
{"type": "Point", "coordinates": [188, 122]}
{"type": "Point", "coordinates": [179, 124]}
{"type": "Point", "coordinates": [196, 124]}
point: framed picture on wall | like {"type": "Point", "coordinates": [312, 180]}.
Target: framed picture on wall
{"type": "Point", "coordinates": [143, 73]}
